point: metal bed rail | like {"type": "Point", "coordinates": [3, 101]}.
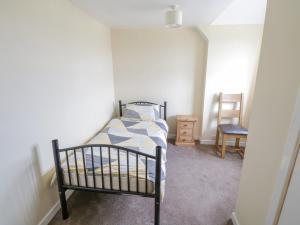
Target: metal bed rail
{"type": "Point", "coordinates": [92, 148]}
{"type": "Point", "coordinates": [161, 107]}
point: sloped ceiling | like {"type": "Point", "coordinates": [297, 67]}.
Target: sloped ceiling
{"type": "Point", "coordinates": [243, 12]}
{"type": "Point", "coordinates": [150, 13]}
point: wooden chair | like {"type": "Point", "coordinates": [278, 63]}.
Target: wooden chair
{"type": "Point", "coordinates": [230, 130]}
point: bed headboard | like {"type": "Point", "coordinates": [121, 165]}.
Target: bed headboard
{"type": "Point", "coordinates": [163, 108]}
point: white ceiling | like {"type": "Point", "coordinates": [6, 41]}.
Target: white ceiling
{"type": "Point", "coordinates": [243, 12]}
{"type": "Point", "coordinates": [150, 13]}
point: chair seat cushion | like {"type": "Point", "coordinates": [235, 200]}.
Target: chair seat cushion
{"type": "Point", "coordinates": [233, 129]}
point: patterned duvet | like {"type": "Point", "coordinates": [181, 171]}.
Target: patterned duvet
{"type": "Point", "coordinates": [142, 136]}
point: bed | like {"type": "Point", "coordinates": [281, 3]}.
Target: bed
{"type": "Point", "coordinates": [127, 157]}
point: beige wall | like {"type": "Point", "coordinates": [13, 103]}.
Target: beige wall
{"type": "Point", "coordinates": [276, 89]}
{"type": "Point", "coordinates": [161, 64]}
{"type": "Point", "coordinates": [233, 52]}
{"type": "Point", "coordinates": [56, 81]}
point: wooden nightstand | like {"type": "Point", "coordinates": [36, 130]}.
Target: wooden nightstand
{"type": "Point", "coordinates": [185, 130]}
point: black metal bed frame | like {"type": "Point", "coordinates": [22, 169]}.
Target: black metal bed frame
{"type": "Point", "coordinates": [164, 107]}
{"type": "Point", "coordinates": [63, 187]}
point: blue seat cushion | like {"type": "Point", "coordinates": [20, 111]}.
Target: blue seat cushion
{"type": "Point", "coordinates": [233, 129]}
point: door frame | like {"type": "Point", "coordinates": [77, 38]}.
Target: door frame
{"type": "Point", "coordinates": [288, 162]}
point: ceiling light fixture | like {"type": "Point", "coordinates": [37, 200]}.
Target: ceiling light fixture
{"type": "Point", "coordinates": [173, 17]}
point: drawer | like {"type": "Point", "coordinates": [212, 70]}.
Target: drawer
{"type": "Point", "coordinates": [185, 132]}
{"type": "Point", "coordinates": [185, 138]}
{"type": "Point", "coordinates": [188, 125]}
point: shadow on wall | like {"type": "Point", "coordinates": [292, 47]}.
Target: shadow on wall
{"type": "Point", "coordinates": [233, 55]}
{"type": "Point", "coordinates": [212, 120]}
{"type": "Point", "coordinates": [27, 196]}
{"type": "Point", "coordinates": [171, 120]}
{"type": "Point", "coordinates": [199, 85]}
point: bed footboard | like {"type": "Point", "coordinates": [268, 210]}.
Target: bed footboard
{"type": "Point", "coordinates": [96, 164]}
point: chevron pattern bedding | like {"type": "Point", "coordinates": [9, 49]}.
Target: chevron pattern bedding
{"type": "Point", "coordinates": [142, 112]}
{"type": "Point", "coordinates": [142, 136]}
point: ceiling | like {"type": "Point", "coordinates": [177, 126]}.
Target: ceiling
{"type": "Point", "coordinates": [243, 12]}
{"type": "Point", "coordinates": [150, 13]}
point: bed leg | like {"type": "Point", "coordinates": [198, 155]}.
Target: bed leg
{"type": "Point", "coordinates": [59, 176]}
{"type": "Point", "coordinates": [63, 203]}
{"type": "Point", "coordinates": [157, 185]}
{"type": "Point", "coordinates": [157, 211]}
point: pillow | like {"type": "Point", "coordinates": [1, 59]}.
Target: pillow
{"type": "Point", "coordinates": [142, 112]}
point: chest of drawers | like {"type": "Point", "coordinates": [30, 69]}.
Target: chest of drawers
{"type": "Point", "coordinates": [185, 130]}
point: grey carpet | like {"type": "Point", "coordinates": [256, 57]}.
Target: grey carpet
{"type": "Point", "coordinates": [201, 189]}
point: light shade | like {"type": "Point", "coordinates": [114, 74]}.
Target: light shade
{"type": "Point", "coordinates": [173, 17]}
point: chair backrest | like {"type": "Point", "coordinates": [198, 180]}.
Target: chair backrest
{"type": "Point", "coordinates": [237, 101]}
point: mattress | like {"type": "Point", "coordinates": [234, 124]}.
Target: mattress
{"type": "Point", "coordinates": [141, 136]}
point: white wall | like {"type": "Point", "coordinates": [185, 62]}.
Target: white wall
{"type": "Point", "coordinates": [278, 81]}
{"type": "Point", "coordinates": [290, 211]}
{"type": "Point", "coordinates": [232, 59]}
{"type": "Point", "coordinates": [161, 64]}
{"type": "Point", "coordinates": [56, 81]}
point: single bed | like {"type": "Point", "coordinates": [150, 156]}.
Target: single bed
{"type": "Point", "coordinates": [127, 157]}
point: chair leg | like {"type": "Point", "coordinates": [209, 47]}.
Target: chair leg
{"type": "Point", "coordinates": [239, 149]}
{"type": "Point", "coordinates": [237, 143]}
{"type": "Point", "coordinates": [217, 138]}
{"type": "Point", "coordinates": [223, 151]}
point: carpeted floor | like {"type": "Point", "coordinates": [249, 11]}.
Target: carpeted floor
{"type": "Point", "coordinates": [201, 189]}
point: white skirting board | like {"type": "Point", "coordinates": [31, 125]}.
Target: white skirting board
{"type": "Point", "coordinates": [52, 212]}
{"type": "Point", "coordinates": [234, 219]}
{"type": "Point", "coordinates": [171, 136]}
{"type": "Point", "coordinates": [213, 142]}
{"type": "Point", "coordinates": [210, 141]}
